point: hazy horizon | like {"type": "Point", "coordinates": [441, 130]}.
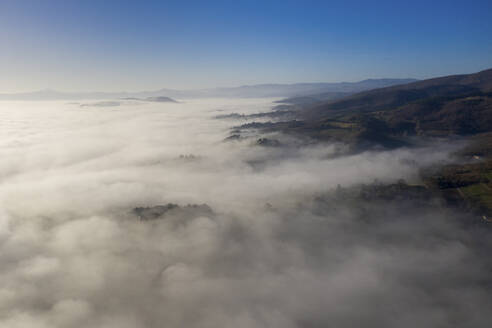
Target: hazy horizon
{"type": "Point", "coordinates": [47, 89]}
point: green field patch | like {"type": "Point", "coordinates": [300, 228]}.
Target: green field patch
{"type": "Point", "coordinates": [480, 194]}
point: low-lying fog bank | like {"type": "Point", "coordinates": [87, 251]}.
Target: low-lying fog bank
{"type": "Point", "coordinates": [278, 244]}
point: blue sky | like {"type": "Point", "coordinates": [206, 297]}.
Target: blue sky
{"type": "Point", "coordinates": [139, 45]}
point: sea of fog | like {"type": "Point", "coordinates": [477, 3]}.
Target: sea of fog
{"type": "Point", "coordinates": [74, 254]}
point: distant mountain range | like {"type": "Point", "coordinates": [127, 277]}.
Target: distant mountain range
{"type": "Point", "coordinates": [457, 104]}
{"type": "Point", "coordinates": [440, 107]}
{"type": "Point", "coordinates": [247, 91]}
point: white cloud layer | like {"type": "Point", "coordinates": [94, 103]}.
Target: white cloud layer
{"type": "Point", "coordinates": [73, 254]}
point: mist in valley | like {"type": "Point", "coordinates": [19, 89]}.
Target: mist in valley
{"type": "Point", "coordinates": [256, 236]}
